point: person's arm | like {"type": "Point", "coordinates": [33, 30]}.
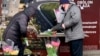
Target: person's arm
{"type": "Point", "coordinates": [23, 26]}
{"type": "Point", "coordinates": [57, 27]}
{"type": "Point", "coordinates": [75, 18]}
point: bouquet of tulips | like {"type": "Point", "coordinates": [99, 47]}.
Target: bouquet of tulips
{"type": "Point", "coordinates": [9, 48]}
{"type": "Point", "coordinates": [52, 47]}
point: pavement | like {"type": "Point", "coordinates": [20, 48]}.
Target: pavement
{"type": "Point", "coordinates": [92, 53]}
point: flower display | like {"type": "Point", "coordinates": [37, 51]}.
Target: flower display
{"type": "Point", "coordinates": [52, 48]}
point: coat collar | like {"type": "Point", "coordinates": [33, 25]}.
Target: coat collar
{"type": "Point", "coordinates": [65, 10]}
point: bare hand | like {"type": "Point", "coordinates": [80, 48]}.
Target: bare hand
{"type": "Point", "coordinates": [63, 26]}
{"type": "Point", "coordinates": [54, 33]}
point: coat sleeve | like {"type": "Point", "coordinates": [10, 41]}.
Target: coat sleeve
{"type": "Point", "coordinates": [57, 27]}
{"type": "Point", "coordinates": [75, 17]}
{"type": "Point", "coordinates": [23, 26]}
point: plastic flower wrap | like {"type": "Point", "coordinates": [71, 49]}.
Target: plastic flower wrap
{"type": "Point", "coordinates": [27, 51]}
{"type": "Point", "coordinates": [52, 47]}
{"type": "Point", "coordinates": [47, 33]}
{"type": "Point", "coordinates": [9, 48]}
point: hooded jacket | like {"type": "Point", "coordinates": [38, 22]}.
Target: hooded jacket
{"type": "Point", "coordinates": [17, 26]}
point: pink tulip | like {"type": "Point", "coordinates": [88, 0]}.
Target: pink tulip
{"type": "Point", "coordinates": [7, 48]}
{"type": "Point", "coordinates": [55, 44]}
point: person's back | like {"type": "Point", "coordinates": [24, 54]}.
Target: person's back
{"type": "Point", "coordinates": [13, 29]}
{"type": "Point", "coordinates": [17, 27]}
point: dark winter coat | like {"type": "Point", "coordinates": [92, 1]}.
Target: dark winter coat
{"type": "Point", "coordinates": [17, 26]}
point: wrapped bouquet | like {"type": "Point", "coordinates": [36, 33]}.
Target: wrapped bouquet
{"type": "Point", "coordinates": [52, 47]}
{"type": "Point", "coordinates": [9, 48]}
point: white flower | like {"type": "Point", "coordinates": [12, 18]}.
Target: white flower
{"type": "Point", "coordinates": [49, 46]}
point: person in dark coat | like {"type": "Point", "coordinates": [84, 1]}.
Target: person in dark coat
{"type": "Point", "coordinates": [17, 27]}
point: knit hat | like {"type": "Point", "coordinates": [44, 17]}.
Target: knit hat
{"type": "Point", "coordinates": [64, 1]}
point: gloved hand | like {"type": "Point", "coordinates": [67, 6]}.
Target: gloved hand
{"type": "Point", "coordinates": [57, 27]}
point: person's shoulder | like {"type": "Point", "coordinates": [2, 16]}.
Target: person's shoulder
{"type": "Point", "coordinates": [20, 14]}
{"type": "Point", "coordinates": [75, 7]}
{"type": "Point", "coordinates": [17, 14]}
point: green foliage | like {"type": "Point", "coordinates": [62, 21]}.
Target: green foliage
{"type": "Point", "coordinates": [51, 52]}
{"type": "Point", "coordinates": [1, 33]}
{"type": "Point", "coordinates": [27, 51]}
{"type": "Point", "coordinates": [36, 27]}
